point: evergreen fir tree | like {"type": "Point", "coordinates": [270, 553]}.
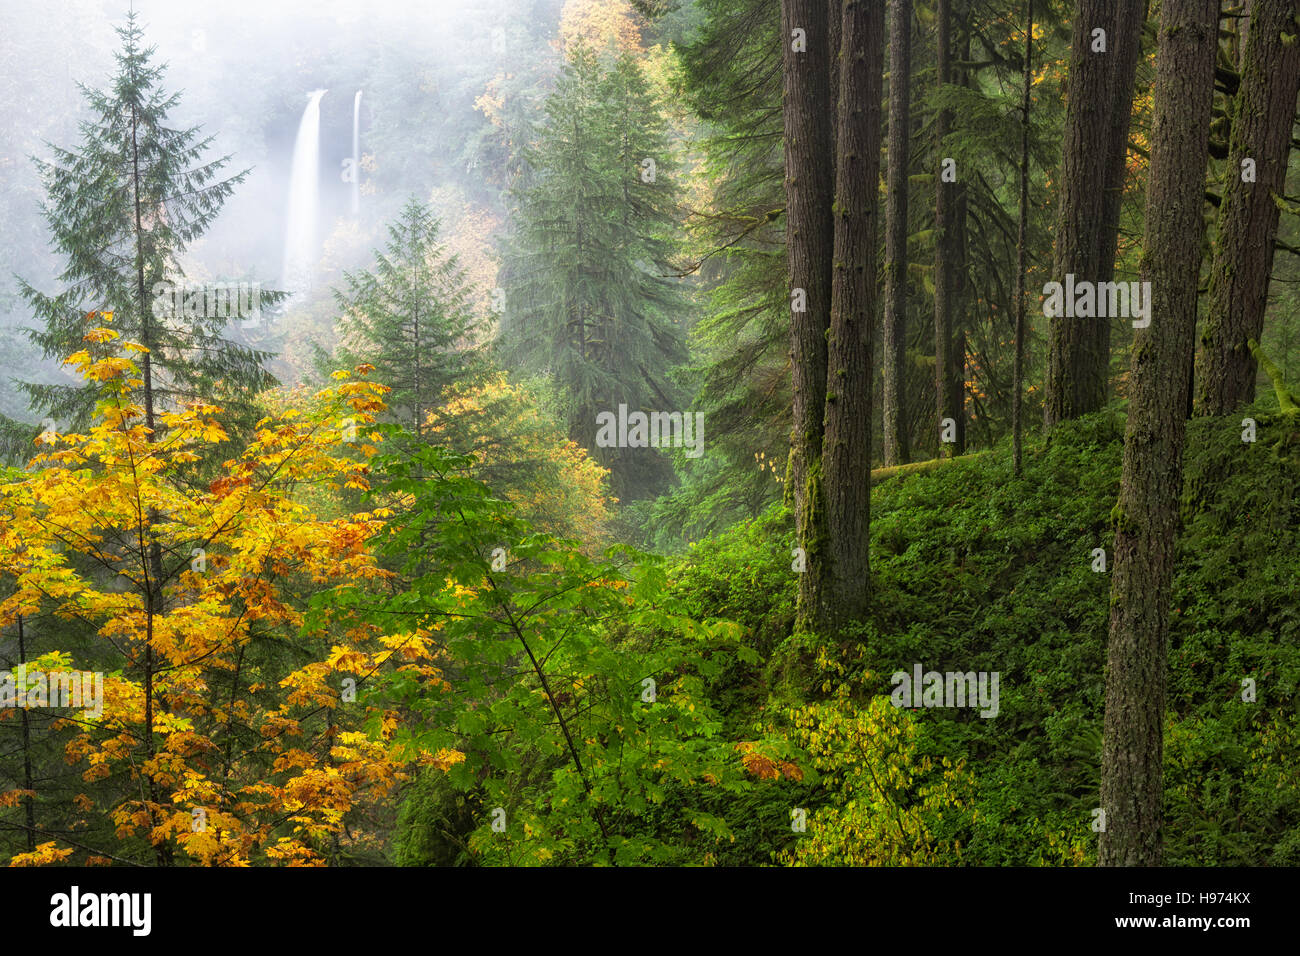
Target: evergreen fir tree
{"type": "Point", "coordinates": [589, 301]}
{"type": "Point", "coordinates": [411, 317]}
{"type": "Point", "coordinates": [122, 208]}
{"type": "Point", "coordinates": [741, 341]}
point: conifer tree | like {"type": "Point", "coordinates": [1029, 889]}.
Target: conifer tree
{"type": "Point", "coordinates": [810, 234]}
{"type": "Point", "coordinates": [121, 208]}
{"type": "Point", "coordinates": [846, 444]}
{"type": "Point", "coordinates": [895, 304]}
{"type": "Point", "coordinates": [946, 249]}
{"type": "Point", "coordinates": [589, 303]}
{"type": "Point", "coordinates": [1093, 171]}
{"type": "Point", "coordinates": [1242, 266]}
{"type": "Point", "coordinates": [732, 83]}
{"type": "Point", "coordinates": [1155, 436]}
{"type": "Point", "coordinates": [411, 317]}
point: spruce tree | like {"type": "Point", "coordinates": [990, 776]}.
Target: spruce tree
{"type": "Point", "coordinates": [411, 317]}
{"type": "Point", "coordinates": [810, 233]}
{"type": "Point", "coordinates": [741, 340]}
{"type": "Point", "coordinates": [1147, 516]}
{"type": "Point", "coordinates": [589, 303]}
{"type": "Point", "coordinates": [121, 208]}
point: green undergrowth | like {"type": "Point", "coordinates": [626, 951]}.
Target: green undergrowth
{"type": "Point", "coordinates": [975, 569]}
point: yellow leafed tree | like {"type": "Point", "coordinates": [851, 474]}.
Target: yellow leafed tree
{"type": "Point", "coordinates": [524, 455]}
{"type": "Point", "coordinates": [602, 24]}
{"type": "Point", "coordinates": [205, 748]}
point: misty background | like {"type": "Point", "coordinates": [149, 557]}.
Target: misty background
{"type": "Point", "coordinates": [436, 78]}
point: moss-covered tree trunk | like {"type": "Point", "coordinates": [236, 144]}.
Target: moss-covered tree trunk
{"type": "Point", "coordinates": [1099, 102]}
{"type": "Point", "coordinates": [1151, 481]}
{"type": "Point", "coordinates": [806, 121]}
{"type": "Point", "coordinates": [846, 452]}
{"type": "Point", "coordinates": [1259, 144]}
{"type": "Point", "coordinates": [899, 149]}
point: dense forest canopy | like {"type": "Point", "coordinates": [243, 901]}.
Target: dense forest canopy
{"type": "Point", "coordinates": [650, 432]}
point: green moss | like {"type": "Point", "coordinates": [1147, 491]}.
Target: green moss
{"type": "Point", "coordinates": [976, 569]}
{"type": "Point", "coordinates": [1286, 401]}
{"type": "Point", "coordinates": [1120, 521]}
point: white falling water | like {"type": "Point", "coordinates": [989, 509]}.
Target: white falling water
{"type": "Point", "coordinates": [304, 200]}
{"type": "Point", "coordinates": [356, 154]}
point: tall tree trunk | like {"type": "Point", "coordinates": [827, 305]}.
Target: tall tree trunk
{"type": "Point", "coordinates": [846, 450]}
{"type": "Point", "coordinates": [806, 121]}
{"type": "Point", "coordinates": [1248, 215]}
{"type": "Point", "coordinates": [958, 257]}
{"type": "Point", "coordinates": [895, 318]}
{"type": "Point", "coordinates": [1098, 109]}
{"type": "Point", "coordinates": [1151, 483]}
{"type": "Point", "coordinates": [153, 578]}
{"type": "Point", "coordinates": [945, 205]}
{"type": "Point", "coordinates": [1022, 230]}
{"type": "Point", "coordinates": [1243, 32]}
{"type": "Point", "coordinates": [1126, 49]}
{"type": "Point", "coordinates": [834, 49]}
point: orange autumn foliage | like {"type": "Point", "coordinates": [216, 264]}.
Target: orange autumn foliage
{"type": "Point", "coordinates": [195, 573]}
{"type": "Point", "coordinates": [764, 767]}
{"type": "Point", "coordinates": [602, 24]}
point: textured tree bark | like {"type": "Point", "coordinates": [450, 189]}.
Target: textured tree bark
{"type": "Point", "coordinates": [1151, 482]}
{"type": "Point", "coordinates": [834, 42]}
{"type": "Point", "coordinates": [1127, 49]}
{"type": "Point", "coordinates": [1243, 32]}
{"type": "Point", "coordinates": [895, 318]}
{"type": "Point", "coordinates": [959, 256]}
{"type": "Point", "coordinates": [1022, 229]}
{"type": "Point", "coordinates": [846, 451]}
{"type": "Point", "coordinates": [1098, 109]}
{"type": "Point", "coordinates": [945, 207]}
{"type": "Point", "coordinates": [1248, 215]}
{"type": "Point", "coordinates": [806, 121]}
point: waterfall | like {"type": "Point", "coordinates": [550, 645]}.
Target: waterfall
{"type": "Point", "coordinates": [304, 198]}
{"type": "Point", "coordinates": [356, 154]}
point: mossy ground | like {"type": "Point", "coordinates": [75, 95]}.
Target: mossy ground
{"type": "Point", "coordinates": [976, 569]}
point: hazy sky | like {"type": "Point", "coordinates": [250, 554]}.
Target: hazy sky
{"type": "Point", "coordinates": [244, 69]}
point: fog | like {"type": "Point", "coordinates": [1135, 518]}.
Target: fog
{"type": "Point", "coordinates": [244, 72]}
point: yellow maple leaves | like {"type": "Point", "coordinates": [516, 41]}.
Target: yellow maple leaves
{"type": "Point", "coordinates": [886, 799]}
{"type": "Point", "coordinates": [43, 855]}
{"type": "Point", "coordinates": [602, 24]}
{"type": "Point", "coordinates": [13, 798]}
{"type": "Point", "coordinates": [232, 552]}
